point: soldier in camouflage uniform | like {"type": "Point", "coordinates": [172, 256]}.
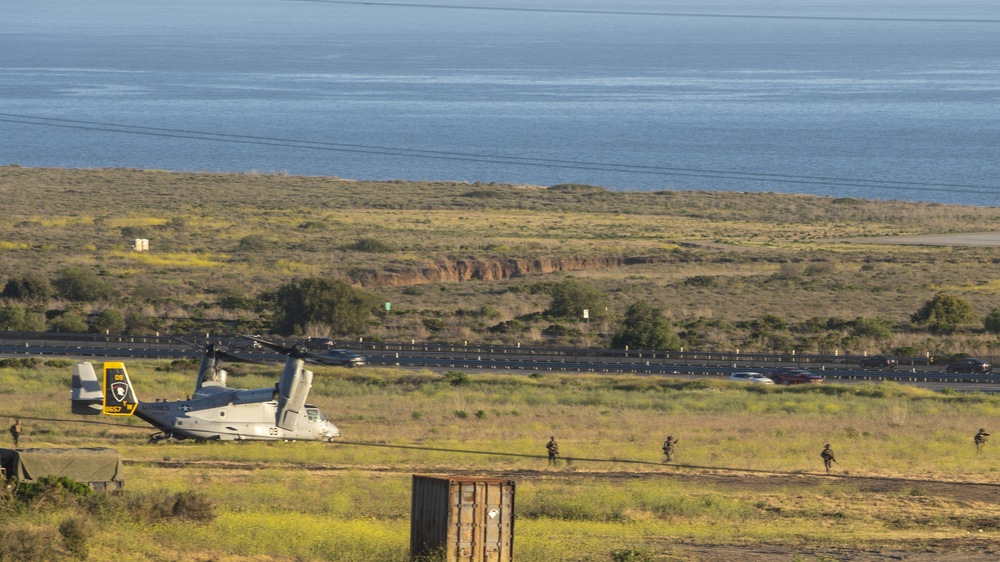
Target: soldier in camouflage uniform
{"type": "Point", "coordinates": [980, 439]}
{"type": "Point", "coordinates": [828, 458]}
{"type": "Point", "coordinates": [553, 449]}
{"type": "Point", "coordinates": [668, 447]}
{"type": "Point", "coordinates": [15, 432]}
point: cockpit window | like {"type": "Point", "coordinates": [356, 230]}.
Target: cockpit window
{"type": "Point", "coordinates": [315, 415]}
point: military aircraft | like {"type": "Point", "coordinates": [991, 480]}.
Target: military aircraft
{"type": "Point", "coordinates": [214, 411]}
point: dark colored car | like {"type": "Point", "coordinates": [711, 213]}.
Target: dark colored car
{"type": "Point", "coordinates": [971, 366]}
{"type": "Point", "coordinates": [878, 362]}
{"type": "Point", "coordinates": [343, 358]}
{"type": "Point", "coordinates": [788, 375]}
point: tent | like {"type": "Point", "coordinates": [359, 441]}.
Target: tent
{"type": "Point", "coordinates": [98, 466]}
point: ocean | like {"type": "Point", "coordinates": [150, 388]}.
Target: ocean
{"type": "Point", "coordinates": [846, 98]}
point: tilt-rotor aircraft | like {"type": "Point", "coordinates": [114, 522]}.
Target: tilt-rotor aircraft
{"type": "Point", "coordinates": [214, 411]}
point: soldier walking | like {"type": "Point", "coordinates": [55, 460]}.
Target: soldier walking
{"type": "Point", "coordinates": [15, 432]}
{"type": "Point", "coordinates": [828, 458]}
{"type": "Point", "coordinates": [980, 439]}
{"type": "Point", "coordinates": [553, 449]}
{"type": "Point", "coordinates": [668, 447]}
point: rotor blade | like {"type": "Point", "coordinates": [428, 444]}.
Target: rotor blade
{"type": "Point", "coordinates": [230, 357]}
{"type": "Point", "coordinates": [192, 345]}
{"type": "Point", "coordinates": [297, 350]}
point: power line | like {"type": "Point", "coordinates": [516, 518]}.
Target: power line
{"type": "Point", "coordinates": [759, 177]}
{"type": "Point", "coordinates": [567, 459]}
{"type": "Point", "coordinates": [62, 420]}
{"type": "Point", "coordinates": [648, 13]}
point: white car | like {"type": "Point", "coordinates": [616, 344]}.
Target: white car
{"type": "Point", "coordinates": [749, 376]}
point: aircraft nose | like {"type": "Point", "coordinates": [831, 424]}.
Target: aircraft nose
{"type": "Point", "coordinates": [332, 431]}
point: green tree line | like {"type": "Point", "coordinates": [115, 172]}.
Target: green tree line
{"type": "Point", "coordinates": [333, 307]}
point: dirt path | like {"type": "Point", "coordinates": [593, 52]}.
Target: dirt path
{"type": "Point", "coordinates": [757, 481]}
{"type": "Point", "coordinates": [968, 239]}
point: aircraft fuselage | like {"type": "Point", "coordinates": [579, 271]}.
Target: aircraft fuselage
{"type": "Point", "coordinates": [218, 417]}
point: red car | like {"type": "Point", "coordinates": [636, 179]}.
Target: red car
{"type": "Point", "coordinates": [787, 375]}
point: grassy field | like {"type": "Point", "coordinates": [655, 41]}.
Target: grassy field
{"type": "Point", "coordinates": [895, 445]}
{"type": "Point", "coordinates": [755, 271]}
{"type": "Point", "coordinates": [715, 262]}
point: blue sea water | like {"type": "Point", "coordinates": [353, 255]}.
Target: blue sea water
{"type": "Point", "coordinates": [884, 99]}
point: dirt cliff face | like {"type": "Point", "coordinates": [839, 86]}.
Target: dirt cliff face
{"type": "Point", "coordinates": [490, 270]}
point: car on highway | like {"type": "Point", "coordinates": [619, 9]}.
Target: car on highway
{"type": "Point", "coordinates": [970, 366]}
{"type": "Point", "coordinates": [244, 346]}
{"type": "Point", "coordinates": [789, 375]}
{"type": "Point", "coordinates": [750, 376]}
{"type": "Point", "coordinates": [878, 362]}
{"type": "Point", "coordinates": [342, 357]}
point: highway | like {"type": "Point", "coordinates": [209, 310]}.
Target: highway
{"type": "Point", "coordinates": [507, 359]}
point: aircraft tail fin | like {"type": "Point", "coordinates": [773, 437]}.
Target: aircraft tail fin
{"type": "Point", "coordinates": [119, 396]}
{"type": "Point", "coordinates": [293, 389]}
{"type": "Point", "coordinates": [87, 398]}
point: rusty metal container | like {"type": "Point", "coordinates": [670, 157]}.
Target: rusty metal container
{"type": "Point", "coordinates": [462, 519]}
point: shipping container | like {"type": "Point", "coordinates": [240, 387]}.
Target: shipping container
{"type": "Point", "coordinates": [462, 519]}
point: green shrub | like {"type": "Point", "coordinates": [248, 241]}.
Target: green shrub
{"type": "Point", "coordinates": [252, 243]}
{"type": "Point", "coordinates": [19, 318]}
{"type": "Point", "coordinates": [25, 545]}
{"type": "Point", "coordinates": [57, 489]}
{"type": "Point", "coordinates": [58, 363]}
{"type": "Point", "coordinates": [150, 507]}
{"type": "Point", "coordinates": [645, 327]}
{"type": "Point", "coordinates": [75, 532]}
{"type": "Point", "coordinates": [368, 380]}
{"type": "Point", "coordinates": [20, 362]}
{"type": "Point", "coordinates": [154, 506]}
{"type": "Point", "coordinates": [371, 246]}
{"type": "Point", "coordinates": [571, 297]}
{"type": "Point", "coordinates": [30, 287]}
{"type": "Point", "coordinates": [108, 321]}
{"type": "Point", "coordinates": [577, 188]}
{"type": "Point", "coordinates": [433, 324]}
{"type": "Point", "coordinates": [943, 313]}
{"type": "Point", "coordinates": [81, 284]}
{"type": "Point", "coordinates": [456, 378]}
{"type": "Point", "coordinates": [342, 308]}
{"type": "Point", "coordinates": [700, 281]}
{"type": "Point", "coordinates": [482, 194]}
{"type": "Point", "coordinates": [631, 555]}
{"type": "Point", "coordinates": [992, 321]}
{"type": "Point", "coordinates": [514, 326]}
{"type": "Point", "coordinates": [69, 321]}
{"type": "Point", "coordinates": [184, 365]}
{"type": "Point", "coordinates": [194, 506]}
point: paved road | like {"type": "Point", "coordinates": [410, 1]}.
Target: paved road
{"type": "Point", "coordinates": [508, 361]}
{"type": "Point", "coordinates": [925, 378]}
{"type": "Point", "coordinates": [967, 239]}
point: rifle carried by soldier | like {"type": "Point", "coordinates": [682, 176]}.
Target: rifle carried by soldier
{"type": "Point", "coordinates": [828, 457]}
